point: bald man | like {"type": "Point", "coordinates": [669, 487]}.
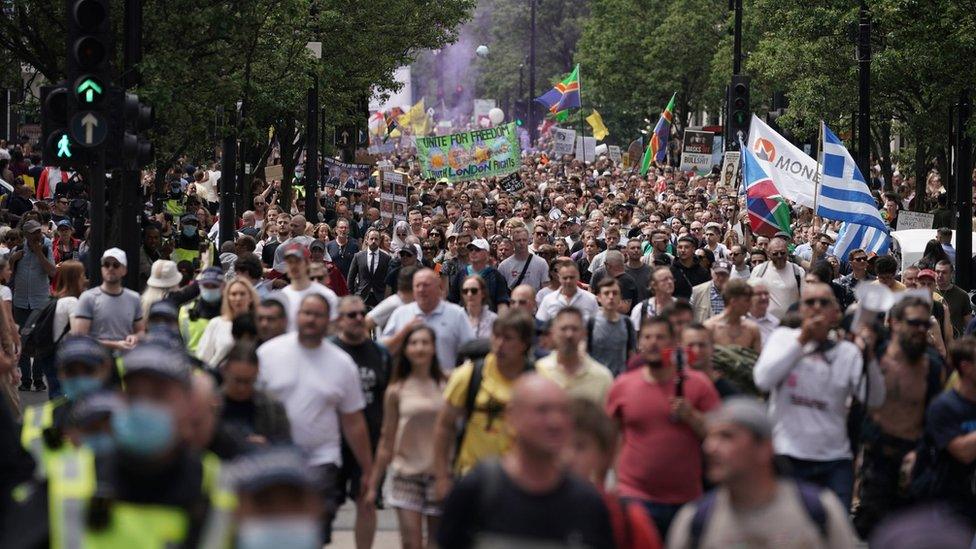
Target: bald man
{"type": "Point", "coordinates": [533, 499]}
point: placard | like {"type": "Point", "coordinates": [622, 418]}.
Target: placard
{"type": "Point", "coordinates": [345, 177]}
{"type": "Point", "coordinates": [586, 149]}
{"type": "Point", "coordinates": [512, 183]}
{"type": "Point", "coordinates": [470, 155]}
{"type": "Point", "coordinates": [730, 169]}
{"type": "Point", "coordinates": [914, 220]}
{"type": "Point", "coordinates": [614, 152]}
{"type": "Point", "coordinates": [696, 151]}
{"type": "Point", "coordinates": [563, 141]}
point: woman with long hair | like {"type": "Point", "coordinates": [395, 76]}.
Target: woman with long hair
{"type": "Point", "coordinates": [401, 231]}
{"type": "Point", "coordinates": [164, 278]}
{"type": "Point", "coordinates": [932, 255]}
{"type": "Point", "coordinates": [474, 295]}
{"type": "Point", "coordinates": [322, 232]}
{"type": "Point", "coordinates": [70, 282]}
{"type": "Point", "coordinates": [413, 400]}
{"type": "Point", "coordinates": [435, 236]}
{"type": "Point", "coordinates": [240, 298]}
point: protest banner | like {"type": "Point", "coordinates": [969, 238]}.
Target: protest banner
{"type": "Point", "coordinates": [470, 155]}
{"type": "Point", "coordinates": [393, 195]}
{"type": "Point", "coordinates": [586, 149]}
{"type": "Point", "coordinates": [563, 141]}
{"type": "Point", "coordinates": [512, 183]}
{"type": "Point", "coordinates": [345, 177]}
{"type": "Point", "coordinates": [914, 220]}
{"type": "Point", "coordinates": [634, 152]}
{"type": "Point", "coordinates": [793, 172]}
{"type": "Point", "coordinates": [274, 173]}
{"type": "Point", "coordinates": [614, 152]}
{"type": "Point", "coordinates": [696, 151]}
{"type": "Point", "coordinates": [730, 170]}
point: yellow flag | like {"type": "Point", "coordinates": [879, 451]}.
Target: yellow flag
{"type": "Point", "coordinates": [596, 122]}
{"type": "Point", "coordinates": [414, 116]}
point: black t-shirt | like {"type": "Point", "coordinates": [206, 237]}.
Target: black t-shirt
{"type": "Point", "coordinates": [488, 507]}
{"type": "Point", "coordinates": [373, 362]}
{"type": "Point", "coordinates": [949, 416]}
{"type": "Point", "coordinates": [686, 278]}
{"type": "Point", "coordinates": [241, 414]}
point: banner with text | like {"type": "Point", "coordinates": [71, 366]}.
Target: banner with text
{"type": "Point", "coordinates": [563, 141]}
{"type": "Point", "coordinates": [696, 151]}
{"type": "Point", "coordinates": [345, 177]}
{"type": "Point", "coordinates": [470, 155]}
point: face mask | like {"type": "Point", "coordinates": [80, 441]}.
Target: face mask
{"type": "Point", "coordinates": [79, 386]}
{"type": "Point", "coordinates": [189, 230]}
{"type": "Point", "coordinates": [100, 443]}
{"type": "Point", "coordinates": [279, 533]}
{"type": "Point", "coordinates": [210, 295]}
{"type": "Point", "coordinates": [143, 429]}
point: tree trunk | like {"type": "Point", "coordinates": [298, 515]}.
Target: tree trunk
{"type": "Point", "coordinates": [882, 151]}
{"type": "Point", "coordinates": [918, 203]}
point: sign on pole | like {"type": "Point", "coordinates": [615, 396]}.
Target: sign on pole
{"type": "Point", "coordinates": [730, 170]}
{"type": "Point", "coordinates": [586, 149]}
{"type": "Point", "coordinates": [696, 151]}
{"type": "Point", "coordinates": [614, 152]}
{"type": "Point", "coordinates": [470, 155]}
{"type": "Point", "coordinates": [563, 141]}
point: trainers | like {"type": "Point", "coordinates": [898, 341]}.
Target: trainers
{"type": "Point", "coordinates": [39, 386]}
{"type": "Point", "coordinates": [25, 386]}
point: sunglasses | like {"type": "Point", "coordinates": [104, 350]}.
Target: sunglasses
{"type": "Point", "coordinates": [354, 314]}
{"type": "Point", "coordinates": [112, 265]}
{"type": "Point", "coordinates": [919, 322]}
{"type": "Point", "coordinates": [468, 291]}
{"type": "Point", "coordinates": [817, 301]}
{"type": "Point", "coordinates": [859, 259]}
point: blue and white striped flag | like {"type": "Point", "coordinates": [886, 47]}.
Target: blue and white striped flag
{"type": "Point", "coordinates": [843, 194]}
{"type": "Point", "coordinates": [852, 236]}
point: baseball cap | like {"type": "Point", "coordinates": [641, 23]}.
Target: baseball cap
{"type": "Point", "coordinates": [117, 255]}
{"type": "Point", "coordinates": [408, 249]}
{"type": "Point", "coordinates": [722, 266]}
{"type": "Point", "coordinates": [65, 223]}
{"type": "Point", "coordinates": [81, 349]}
{"type": "Point", "coordinates": [927, 272]}
{"type": "Point", "coordinates": [30, 226]}
{"type": "Point", "coordinates": [163, 309]}
{"type": "Point", "coordinates": [212, 275]}
{"type": "Point", "coordinates": [296, 250]}
{"type": "Point", "coordinates": [94, 407]}
{"type": "Point", "coordinates": [275, 466]}
{"type": "Point", "coordinates": [159, 360]}
{"type": "Point", "coordinates": [479, 243]}
{"type": "Point", "coordinates": [189, 218]}
{"type": "Point", "coordinates": [746, 412]}
{"type": "Point", "coordinates": [316, 244]}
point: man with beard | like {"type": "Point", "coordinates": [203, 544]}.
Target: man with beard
{"type": "Point", "coordinates": [810, 379]}
{"type": "Point", "coordinates": [659, 410]}
{"type": "Point", "coordinates": [912, 378]}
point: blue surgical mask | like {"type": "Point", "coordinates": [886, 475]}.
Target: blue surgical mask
{"type": "Point", "coordinates": [144, 429]}
{"type": "Point", "coordinates": [100, 443]}
{"type": "Point", "coordinates": [189, 230]}
{"type": "Point", "coordinates": [279, 533]}
{"type": "Point", "coordinates": [78, 387]}
{"type": "Point", "coordinates": [210, 295]}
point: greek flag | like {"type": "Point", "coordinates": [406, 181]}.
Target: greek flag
{"type": "Point", "coordinates": [852, 236]}
{"type": "Point", "coordinates": [843, 194]}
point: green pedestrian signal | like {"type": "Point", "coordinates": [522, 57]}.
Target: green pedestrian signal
{"type": "Point", "coordinates": [88, 90]}
{"type": "Point", "coordinates": [64, 147]}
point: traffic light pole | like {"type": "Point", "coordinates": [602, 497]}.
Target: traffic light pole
{"type": "Point", "coordinates": [864, 92]}
{"type": "Point", "coordinates": [964, 194]}
{"type": "Point", "coordinates": [530, 106]}
{"type": "Point", "coordinates": [130, 184]}
{"type": "Point", "coordinates": [96, 239]}
{"type": "Point", "coordinates": [312, 153]}
{"type": "Point", "coordinates": [228, 185]}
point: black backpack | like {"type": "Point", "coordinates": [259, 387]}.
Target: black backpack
{"type": "Point", "coordinates": [36, 337]}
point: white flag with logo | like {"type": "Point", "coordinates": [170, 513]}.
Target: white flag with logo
{"type": "Point", "coordinates": [793, 172]}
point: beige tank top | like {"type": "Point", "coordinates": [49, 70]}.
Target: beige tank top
{"type": "Point", "coordinates": [420, 402]}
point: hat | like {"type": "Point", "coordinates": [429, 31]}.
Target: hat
{"type": "Point", "coordinates": [296, 250]}
{"type": "Point", "coordinates": [408, 249]}
{"type": "Point", "coordinates": [317, 244]}
{"type": "Point", "coordinates": [94, 407]}
{"type": "Point", "coordinates": [117, 255]}
{"type": "Point", "coordinates": [274, 466]}
{"type": "Point", "coordinates": [927, 272]}
{"type": "Point", "coordinates": [65, 223]}
{"type": "Point", "coordinates": [163, 309]}
{"type": "Point", "coordinates": [30, 226]}
{"type": "Point", "coordinates": [159, 360]}
{"type": "Point", "coordinates": [189, 218]}
{"type": "Point", "coordinates": [479, 243]}
{"type": "Point", "coordinates": [746, 412]}
{"type": "Point", "coordinates": [81, 349]}
{"type": "Point", "coordinates": [625, 206]}
{"type": "Point", "coordinates": [164, 274]}
{"type": "Point", "coordinates": [212, 275]}
{"type": "Point", "coordinates": [722, 265]}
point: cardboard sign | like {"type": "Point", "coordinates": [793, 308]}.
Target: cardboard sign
{"type": "Point", "coordinates": [563, 141]}
{"type": "Point", "coordinates": [512, 183]}
{"type": "Point", "coordinates": [696, 151]}
{"type": "Point", "coordinates": [914, 220]}
{"type": "Point", "coordinates": [274, 173]}
{"type": "Point", "coordinates": [586, 149]}
{"type": "Point", "coordinates": [730, 170]}
{"type": "Point", "coordinates": [614, 152]}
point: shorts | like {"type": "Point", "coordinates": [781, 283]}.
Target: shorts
{"type": "Point", "coordinates": [414, 493]}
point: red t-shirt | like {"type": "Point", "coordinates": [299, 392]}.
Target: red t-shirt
{"type": "Point", "coordinates": [661, 459]}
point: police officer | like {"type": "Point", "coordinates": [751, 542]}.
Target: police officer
{"type": "Point", "coordinates": [196, 314]}
{"type": "Point", "coordinates": [150, 490]}
{"type": "Point", "coordinates": [84, 367]}
{"type": "Point", "coordinates": [191, 243]}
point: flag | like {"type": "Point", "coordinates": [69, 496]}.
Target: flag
{"type": "Point", "coordinates": [564, 95]}
{"type": "Point", "coordinates": [793, 172]}
{"type": "Point", "coordinates": [414, 116]}
{"type": "Point", "coordinates": [377, 124]}
{"type": "Point", "coordinates": [869, 238]}
{"type": "Point", "coordinates": [596, 122]}
{"type": "Point", "coordinates": [843, 194]}
{"type": "Point", "coordinates": [768, 212]}
{"type": "Point", "coordinates": [658, 147]}
{"type": "Point", "coordinates": [393, 130]}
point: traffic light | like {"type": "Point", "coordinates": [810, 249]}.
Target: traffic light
{"type": "Point", "coordinates": [89, 72]}
{"type": "Point", "coordinates": [519, 112]}
{"type": "Point", "coordinates": [58, 149]}
{"type": "Point", "coordinates": [138, 118]}
{"type": "Point", "coordinates": [739, 112]}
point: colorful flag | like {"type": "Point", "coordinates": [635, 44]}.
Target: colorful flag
{"type": "Point", "coordinates": [768, 211]}
{"type": "Point", "coordinates": [843, 194]}
{"type": "Point", "coordinates": [658, 147]}
{"type": "Point", "coordinates": [870, 239]}
{"type": "Point", "coordinates": [564, 95]}
{"type": "Point", "coordinates": [377, 124]}
{"type": "Point", "coordinates": [596, 122]}
{"type": "Point", "coordinates": [793, 171]}
{"type": "Point", "coordinates": [415, 116]}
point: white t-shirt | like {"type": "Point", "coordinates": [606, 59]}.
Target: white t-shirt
{"type": "Point", "coordinates": [315, 386]}
{"type": "Point", "coordinates": [556, 301]}
{"type": "Point", "coordinates": [782, 284]}
{"type": "Point", "coordinates": [537, 275]}
{"type": "Point", "coordinates": [380, 314]}
{"type": "Point", "coordinates": [62, 313]}
{"type": "Point", "coordinates": [295, 298]}
{"type": "Point", "coordinates": [6, 294]}
{"type": "Point", "coordinates": [216, 340]}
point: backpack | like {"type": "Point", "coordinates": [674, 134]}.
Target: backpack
{"type": "Point", "coordinates": [36, 336]}
{"type": "Point", "coordinates": [809, 498]}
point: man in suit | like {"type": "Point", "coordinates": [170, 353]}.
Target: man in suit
{"type": "Point", "coordinates": [368, 271]}
{"type": "Point", "coordinates": [706, 298]}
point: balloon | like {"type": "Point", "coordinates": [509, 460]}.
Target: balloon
{"type": "Point", "coordinates": [482, 51]}
{"type": "Point", "coordinates": [496, 116]}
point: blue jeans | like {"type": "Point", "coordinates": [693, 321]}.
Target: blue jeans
{"type": "Point", "coordinates": [31, 373]}
{"type": "Point", "coordinates": [837, 476]}
{"type": "Point", "coordinates": [46, 366]}
{"type": "Point", "coordinates": [661, 513]}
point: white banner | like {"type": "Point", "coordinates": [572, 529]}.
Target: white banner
{"type": "Point", "coordinates": [793, 172]}
{"type": "Point", "coordinates": [586, 149]}
{"type": "Point", "coordinates": [563, 141]}
{"type": "Point", "coordinates": [914, 220]}
{"type": "Point", "coordinates": [614, 153]}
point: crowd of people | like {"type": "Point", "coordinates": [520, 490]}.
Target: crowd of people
{"type": "Point", "coordinates": [598, 360]}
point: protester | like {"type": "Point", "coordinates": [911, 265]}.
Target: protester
{"type": "Point", "coordinates": [569, 295]}
{"type": "Point", "coordinates": [110, 313]}
{"type": "Point", "coordinates": [239, 298]}
{"type": "Point", "coordinates": [783, 279]}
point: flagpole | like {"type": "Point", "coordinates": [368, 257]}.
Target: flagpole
{"type": "Point", "coordinates": [579, 80]}
{"type": "Point", "coordinates": [816, 185]}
